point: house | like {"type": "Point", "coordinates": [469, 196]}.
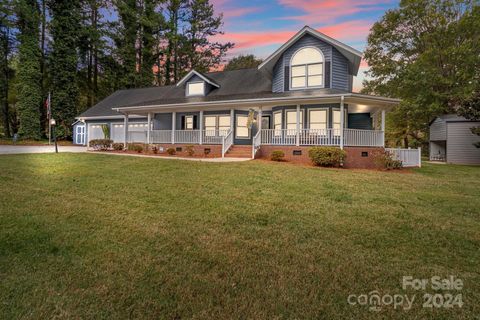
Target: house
{"type": "Point", "coordinates": [452, 141]}
{"type": "Point", "coordinates": [300, 96]}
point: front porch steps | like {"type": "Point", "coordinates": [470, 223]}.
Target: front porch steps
{"type": "Point", "coordinates": [239, 151]}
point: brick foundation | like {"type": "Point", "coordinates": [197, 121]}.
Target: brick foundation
{"type": "Point", "coordinates": [215, 150]}
{"type": "Point", "coordinates": [354, 155]}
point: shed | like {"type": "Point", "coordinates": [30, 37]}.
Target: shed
{"type": "Point", "coordinates": [452, 141]}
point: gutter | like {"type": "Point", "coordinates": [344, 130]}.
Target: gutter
{"type": "Point", "coordinates": [248, 101]}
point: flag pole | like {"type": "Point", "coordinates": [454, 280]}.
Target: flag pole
{"type": "Point", "coordinates": [49, 116]}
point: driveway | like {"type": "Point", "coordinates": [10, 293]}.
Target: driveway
{"type": "Point", "coordinates": [9, 149]}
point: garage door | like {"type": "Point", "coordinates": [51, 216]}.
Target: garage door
{"type": "Point", "coordinates": [117, 133]}
{"type": "Point", "coordinates": [95, 132]}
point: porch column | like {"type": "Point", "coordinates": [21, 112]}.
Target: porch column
{"type": "Point", "coordinates": [174, 115]}
{"type": "Point", "coordinates": [342, 119]}
{"type": "Point", "coordinates": [297, 138]}
{"type": "Point", "coordinates": [259, 122]}
{"type": "Point", "coordinates": [125, 128]}
{"type": "Point", "coordinates": [200, 124]}
{"type": "Point", "coordinates": [383, 127]}
{"type": "Point", "coordinates": [149, 126]}
{"type": "Point", "coordinates": [232, 119]}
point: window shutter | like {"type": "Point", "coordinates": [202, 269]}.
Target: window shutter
{"type": "Point", "coordinates": [183, 123]}
{"type": "Point", "coordinates": [195, 123]}
{"type": "Point", "coordinates": [327, 74]}
{"type": "Point", "coordinates": [287, 79]}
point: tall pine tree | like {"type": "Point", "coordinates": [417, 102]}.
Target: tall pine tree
{"type": "Point", "coordinates": [29, 72]}
{"type": "Point", "coordinates": [6, 72]}
{"type": "Point", "coordinates": [65, 29]}
{"type": "Point", "coordinates": [202, 53]}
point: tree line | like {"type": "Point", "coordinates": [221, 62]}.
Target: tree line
{"type": "Point", "coordinates": [426, 52]}
{"type": "Point", "coordinates": [83, 50]}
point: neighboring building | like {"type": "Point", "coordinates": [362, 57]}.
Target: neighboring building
{"type": "Point", "coordinates": [451, 140]}
{"type": "Point", "coordinates": [300, 96]}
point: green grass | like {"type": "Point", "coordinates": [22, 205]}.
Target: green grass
{"type": "Point", "coordinates": [99, 236]}
{"type": "Point", "coordinates": [28, 142]}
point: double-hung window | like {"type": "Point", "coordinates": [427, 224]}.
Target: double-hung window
{"type": "Point", "coordinates": [291, 121]}
{"type": "Point", "coordinates": [306, 69]}
{"type": "Point", "coordinates": [318, 121]}
{"type": "Point", "coordinates": [277, 123]}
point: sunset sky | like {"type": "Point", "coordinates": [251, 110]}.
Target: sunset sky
{"type": "Point", "coordinates": [260, 27]}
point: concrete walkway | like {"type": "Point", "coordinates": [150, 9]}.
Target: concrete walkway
{"type": "Point", "coordinates": [174, 158]}
{"type": "Point", "coordinates": [11, 149]}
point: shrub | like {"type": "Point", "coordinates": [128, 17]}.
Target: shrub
{"type": "Point", "coordinates": [171, 151]}
{"type": "Point", "coordinates": [327, 156]}
{"type": "Point", "coordinates": [206, 151]}
{"type": "Point", "coordinates": [384, 160]}
{"type": "Point", "coordinates": [135, 147]}
{"type": "Point", "coordinates": [277, 155]}
{"type": "Point", "coordinates": [117, 146]}
{"type": "Point", "coordinates": [190, 150]}
{"type": "Point", "coordinates": [154, 149]}
{"type": "Point", "coordinates": [100, 144]}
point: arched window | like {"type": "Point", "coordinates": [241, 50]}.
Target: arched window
{"type": "Point", "coordinates": [306, 68]}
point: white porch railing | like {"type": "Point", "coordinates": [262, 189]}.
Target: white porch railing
{"type": "Point", "coordinates": [256, 143]}
{"type": "Point", "coordinates": [185, 136]}
{"type": "Point", "coordinates": [227, 142]}
{"type": "Point", "coordinates": [364, 138]}
{"type": "Point", "coordinates": [322, 137]}
{"type": "Point", "coordinates": [409, 157]}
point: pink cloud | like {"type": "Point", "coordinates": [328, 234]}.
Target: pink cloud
{"type": "Point", "coordinates": [230, 10]}
{"type": "Point", "coordinates": [327, 10]}
{"type": "Point", "coordinates": [355, 30]}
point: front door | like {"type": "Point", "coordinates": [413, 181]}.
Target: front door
{"type": "Point", "coordinates": [80, 135]}
{"type": "Point", "coordinates": [265, 122]}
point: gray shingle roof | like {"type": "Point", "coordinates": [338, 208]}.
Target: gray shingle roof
{"type": "Point", "coordinates": [234, 85]}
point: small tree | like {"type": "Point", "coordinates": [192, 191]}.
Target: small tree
{"type": "Point", "coordinates": [106, 131]}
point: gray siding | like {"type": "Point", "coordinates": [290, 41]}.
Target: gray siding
{"type": "Point", "coordinates": [162, 121]}
{"type": "Point", "coordinates": [438, 130]}
{"type": "Point", "coordinates": [196, 78]}
{"type": "Point", "coordinates": [278, 83]}
{"type": "Point", "coordinates": [460, 139]}
{"type": "Point", "coordinates": [340, 72]}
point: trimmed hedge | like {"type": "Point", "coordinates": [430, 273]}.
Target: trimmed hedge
{"type": "Point", "coordinates": [117, 146]}
{"type": "Point", "coordinates": [171, 151]}
{"type": "Point", "coordinates": [135, 147]}
{"type": "Point", "coordinates": [100, 144]}
{"type": "Point", "coordinates": [277, 155]}
{"type": "Point", "coordinates": [327, 156]}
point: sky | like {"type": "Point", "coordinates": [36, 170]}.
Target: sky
{"type": "Point", "coordinates": [260, 27]}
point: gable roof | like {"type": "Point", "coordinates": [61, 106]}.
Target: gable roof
{"type": "Point", "coordinates": [450, 118]}
{"type": "Point", "coordinates": [353, 56]}
{"type": "Point", "coordinates": [200, 75]}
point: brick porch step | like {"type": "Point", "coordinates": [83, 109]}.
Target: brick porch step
{"type": "Point", "coordinates": [239, 151]}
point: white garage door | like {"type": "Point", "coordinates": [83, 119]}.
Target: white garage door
{"type": "Point", "coordinates": [95, 132]}
{"type": "Point", "coordinates": [118, 133]}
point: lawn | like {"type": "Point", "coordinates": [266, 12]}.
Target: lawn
{"type": "Point", "coordinates": [110, 237]}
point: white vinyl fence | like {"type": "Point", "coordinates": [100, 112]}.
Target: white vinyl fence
{"type": "Point", "coordinates": [409, 157]}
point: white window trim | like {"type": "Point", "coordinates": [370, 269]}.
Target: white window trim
{"type": "Point", "coordinates": [281, 122]}
{"type": "Point", "coordinates": [236, 126]}
{"type": "Point", "coordinates": [302, 124]}
{"type": "Point", "coordinates": [345, 119]}
{"type": "Point", "coordinates": [185, 122]}
{"type": "Point", "coordinates": [217, 121]}
{"type": "Point", "coordinates": [306, 71]}
{"type": "Point", "coordinates": [196, 94]}
{"type": "Point", "coordinates": [319, 109]}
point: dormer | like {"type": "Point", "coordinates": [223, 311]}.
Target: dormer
{"type": "Point", "coordinates": [312, 60]}
{"type": "Point", "coordinates": [197, 84]}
